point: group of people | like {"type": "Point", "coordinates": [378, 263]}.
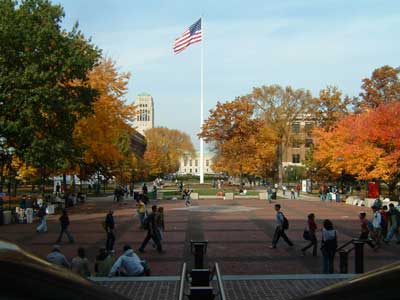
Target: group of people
{"type": "Point", "coordinates": [329, 193]}
{"type": "Point", "coordinates": [384, 225]}
{"type": "Point", "coordinates": [128, 264]}
{"type": "Point", "coordinates": [328, 238]}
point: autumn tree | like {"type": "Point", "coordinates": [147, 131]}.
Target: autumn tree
{"type": "Point", "coordinates": [329, 107]}
{"type": "Point", "coordinates": [280, 107]}
{"type": "Point", "coordinates": [243, 143]}
{"type": "Point", "coordinates": [382, 87]}
{"type": "Point", "coordinates": [105, 135]}
{"type": "Point", "coordinates": [164, 149]}
{"type": "Point", "coordinates": [39, 63]}
{"type": "Point", "coordinates": [369, 151]}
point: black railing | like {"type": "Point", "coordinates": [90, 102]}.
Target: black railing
{"type": "Point", "coordinates": [358, 247]}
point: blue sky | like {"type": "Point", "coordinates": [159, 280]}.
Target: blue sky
{"type": "Point", "coordinates": [303, 43]}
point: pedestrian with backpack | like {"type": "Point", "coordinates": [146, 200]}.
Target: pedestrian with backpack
{"type": "Point", "coordinates": [281, 226]}
{"type": "Point", "coordinates": [328, 246]}
{"type": "Point", "coordinates": [152, 233]}
{"type": "Point", "coordinates": [394, 219]}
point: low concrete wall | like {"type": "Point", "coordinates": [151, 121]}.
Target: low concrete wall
{"type": "Point", "coordinates": [229, 196]}
{"type": "Point", "coordinates": [262, 196]}
{"type": "Point", "coordinates": [194, 196]}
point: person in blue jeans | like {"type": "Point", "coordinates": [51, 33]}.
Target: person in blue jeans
{"type": "Point", "coordinates": [328, 246]}
{"type": "Point", "coordinates": [394, 218]}
{"type": "Point", "coordinates": [280, 228]}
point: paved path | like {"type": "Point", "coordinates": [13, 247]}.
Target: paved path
{"type": "Point", "coordinates": [254, 288]}
{"type": "Point", "coordinates": [239, 234]}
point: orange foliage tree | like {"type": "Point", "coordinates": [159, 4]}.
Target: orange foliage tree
{"type": "Point", "coordinates": [243, 143]}
{"type": "Point", "coordinates": [366, 145]}
{"type": "Point", "coordinates": [105, 136]}
{"type": "Point", "coordinates": [164, 149]}
{"type": "Point", "coordinates": [382, 87]}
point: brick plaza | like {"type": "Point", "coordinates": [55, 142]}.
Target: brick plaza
{"type": "Point", "coordinates": [239, 233]}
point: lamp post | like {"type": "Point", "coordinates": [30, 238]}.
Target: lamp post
{"type": "Point", "coordinates": [6, 154]}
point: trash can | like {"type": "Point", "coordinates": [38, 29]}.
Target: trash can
{"type": "Point", "coordinates": [7, 217]}
{"type": "Point", "coordinates": [29, 215]}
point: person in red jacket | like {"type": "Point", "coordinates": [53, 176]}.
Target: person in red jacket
{"type": "Point", "coordinates": [310, 236]}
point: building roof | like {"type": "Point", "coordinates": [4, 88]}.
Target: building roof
{"type": "Point", "coordinates": [144, 94]}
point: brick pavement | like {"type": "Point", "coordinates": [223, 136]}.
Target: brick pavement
{"type": "Point", "coordinates": [238, 240]}
{"type": "Point", "coordinates": [257, 289]}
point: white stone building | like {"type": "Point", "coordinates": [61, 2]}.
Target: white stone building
{"type": "Point", "coordinates": [144, 112]}
{"type": "Point", "coordinates": [191, 165]}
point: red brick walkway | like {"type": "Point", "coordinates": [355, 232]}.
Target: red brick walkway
{"type": "Point", "coordinates": [239, 240]}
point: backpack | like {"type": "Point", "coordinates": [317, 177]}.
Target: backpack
{"type": "Point", "coordinates": [285, 223]}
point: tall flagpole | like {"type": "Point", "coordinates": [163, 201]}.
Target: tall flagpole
{"type": "Point", "coordinates": [202, 104]}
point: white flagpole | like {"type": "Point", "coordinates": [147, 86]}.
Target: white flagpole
{"type": "Point", "coordinates": [202, 104]}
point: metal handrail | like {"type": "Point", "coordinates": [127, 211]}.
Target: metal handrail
{"type": "Point", "coordinates": [220, 283]}
{"type": "Point", "coordinates": [182, 282]}
{"type": "Point", "coordinates": [344, 245]}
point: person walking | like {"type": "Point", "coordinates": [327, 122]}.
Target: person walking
{"type": "Point", "coordinates": [281, 226]}
{"type": "Point", "coordinates": [328, 246]}
{"type": "Point", "coordinates": [292, 194]}
{"type": "Point", "coordinates": [141, 211]}
{"type": "Point", "coordinates": [160, 225]}
{"type": "Point", "coordinates": [310, 235]}
{"type": "Point", "coordinates": [64, 223]}
{"type": "Point", "coordinates": [109, 226]}
{"type": "Point", "coordinates": [151, 231]}
{"type": "Point", "coordinates": [187, 197]}
{"type": "Point", "coordinates": [42, 217]}
{"type": "Point", "coordinates": [394, 218]}
{"type": "Point", "coordinates": [80, 264]}
{"type": "Point", "coordinates": [385, 220]}
{"type": "Point", "coordinates": [365, 226]}
{"type": "Point", "coordinates": [376, 226]}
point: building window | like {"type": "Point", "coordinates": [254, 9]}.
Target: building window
{"type": "Point", "coordinates": [308, 143]}
{"type": "Point", "coordinates": [207, 170]}
{"type": "Point", "coordinates": [296, 127]}
{"type": "Point", "coordinates": [190, 171]}
{"type": "Point", "coordinates": [195, 170]}
{"type": "Point", "coordinates": [195, 163]}
{"type": "Point", "coordinates": [185, 162]}
{"type": "Point", "coordinates": [207, 164]}
{"type": "Point", "coordinates": [296, 158]}
{"type": "Point", "coordinates": [190, 164]}
{"type": "Point", "coordinates": [184, 170]}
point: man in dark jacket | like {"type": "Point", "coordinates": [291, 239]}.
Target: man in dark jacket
{"type": "Point", "coordinates": [150, 222]}
{"type": "Point", "coordinates": [64, 222]}
{"type": "Point", "coordinates": [109, 227]}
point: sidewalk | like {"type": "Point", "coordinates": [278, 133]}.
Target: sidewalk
{"type": "Point", "coordinates": [303, 196]}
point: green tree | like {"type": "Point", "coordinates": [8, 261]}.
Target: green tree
{"type": "Point", "coordinates": [43, 74]}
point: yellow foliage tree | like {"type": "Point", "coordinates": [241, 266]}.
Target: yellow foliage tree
{"type": "Point", "coordinates": [105, 135]}
{"type": "Point", "coordinates": [164, 149]}
{"type": "Point", "coordinates": [245, 145]}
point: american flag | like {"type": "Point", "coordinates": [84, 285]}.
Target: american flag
{"type": "Point", "coordinates": [192, 35]}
